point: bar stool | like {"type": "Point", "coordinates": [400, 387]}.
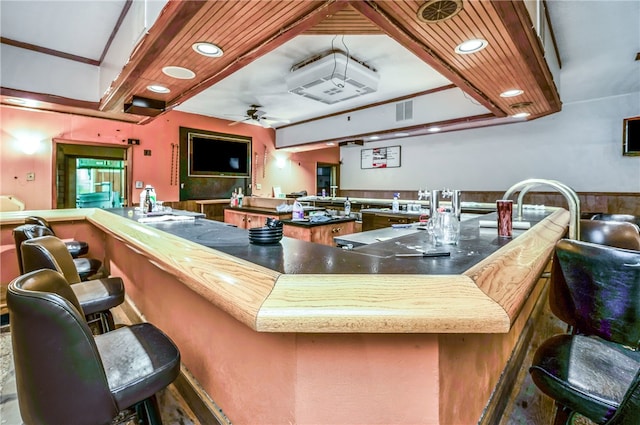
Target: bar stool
{"type": "Point", "coordinates": [95, 296]}
{"type": "Point", "coordinates": [619, 234]}
{"type": "Point", "coordinates": [65, 375]}
{"type": "Point", "coordinates": [76, 248]}
{"type": "Point", "coordinates": [86, 267]}
{"type": "Point", "coordinates": [595, 370]}
{"type": "Point", "coordinates": [617, 217]}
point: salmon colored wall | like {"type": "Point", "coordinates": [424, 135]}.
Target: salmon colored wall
{"type": "Point", "coordinates": [286, 378]}
{"type": "Point", "coordinates": [19, 127]}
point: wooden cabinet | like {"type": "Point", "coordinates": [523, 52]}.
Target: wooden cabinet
{"type": "Point", "coordinates": [379, 220]}
{"type": "Point", "coordinates": [248, 220]}
{"type": "Point", "coordinates": [322, 234]}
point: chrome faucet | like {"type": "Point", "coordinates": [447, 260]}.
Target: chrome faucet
{"type": "Point", "coordinates": [569, 194]}
{"type": "Point", "coordinates": [434, 201]}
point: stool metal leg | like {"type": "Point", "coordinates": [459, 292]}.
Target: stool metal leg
{"type": "Point", "coordinates": [149, 412]}
{"type": "Point", "coordinates": [564, 416]}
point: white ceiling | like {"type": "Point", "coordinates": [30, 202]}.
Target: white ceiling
{"type": "Point", "coordinates": [597, 41]}
{"type": "Point", "coordinates": [263, 81]}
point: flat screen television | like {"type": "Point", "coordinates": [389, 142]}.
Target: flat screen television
{"type": "Point", "coordinates": [631, 137]}
{"type": "Point", "coordinates": [218, 156]}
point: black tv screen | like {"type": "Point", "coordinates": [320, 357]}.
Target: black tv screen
{"type": "Point", "coordinates": [212, 156]}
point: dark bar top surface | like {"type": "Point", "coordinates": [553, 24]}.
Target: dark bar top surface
{"type": "Point", "coordinates": [292, 256]}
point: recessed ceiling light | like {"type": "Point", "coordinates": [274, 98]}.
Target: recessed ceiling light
{"type": "Point", "coordinates": [16, 101]}
{"type": "Point", "coordinates": [433, 129]}
{"type": "Point", "coordinates": [178, 72]}
{"type": "Point", "coordinates": [207, 49]}
{"type": "Point", "coordinates": [511, 93]}
{"type": "Point", "coordinates": [156, 88]}
{"type": "Point", "coordinates": [520, 115]}
{"type": "Point", "coordinates": [374, 137]}
{"type": "Point", "coordinates": [330, 144]}
{"type": "Point", "coordinates": [471, 46]}
{"type": "Point", "coordinates": [402, 134]}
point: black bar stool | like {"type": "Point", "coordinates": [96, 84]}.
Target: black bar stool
{"type": "Point", "coordinates": [95, 296]}
{"type": "Point", "coordinates": [617, 217]}
{"type": "Point", "coordinates": [619, 234]}
{"type": "Point", "coordinates": [76, 248]}
{"type": "Point", "coordinates": [87, 268]}
{"type": "Point", "coordinates": [594, 371]}
{"type": "Point", "coordinates": [65, 375]}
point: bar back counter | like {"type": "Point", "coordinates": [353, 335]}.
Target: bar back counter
{"type": "Point", "coordinates": [303, 333]}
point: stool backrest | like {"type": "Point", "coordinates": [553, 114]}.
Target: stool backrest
{"type": "Point", "coordinates": [24, 232]}
{"type": "Point", "coordinates": [617, 217]}
{"type": "Point", "coordinates": [60, 378]}
{"type": "Point", "coordinates": [49, 252]}
{"type": "Point", "coordinates": [40, 221]}
{"type": "Point", "coordinates": [596, 289]}
{"type": "Point", "coordinates": [619, 234]}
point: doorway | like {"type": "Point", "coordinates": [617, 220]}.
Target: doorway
{"type": "Point", "coordinates": [327, 175]}
{"type": "Point", "coordinates": [91, 176]}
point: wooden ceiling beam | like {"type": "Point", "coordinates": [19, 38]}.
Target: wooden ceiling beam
{"type": "Point", "coordinates": [393, 29]}
{"type": "Point", "coordinates": [272, 42]}
{"type": "Point", "coordinates": [173, 18]}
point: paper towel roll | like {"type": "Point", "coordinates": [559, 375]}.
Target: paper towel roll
{"type": "Point", "coordinates": [518, 225]}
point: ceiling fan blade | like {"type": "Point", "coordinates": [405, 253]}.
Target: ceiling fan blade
{"type": "Point", "coordinates": [277, 120]}
{"type": "Point", "coordinates": [238, 122]}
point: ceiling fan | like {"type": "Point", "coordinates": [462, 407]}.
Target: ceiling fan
{"type": "Point", "coordinates": [256, 116]}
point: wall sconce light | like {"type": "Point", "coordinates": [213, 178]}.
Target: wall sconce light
{"type": "Point", "coordinates": [27, 142]}
{"type": "Point", "coordinates": [281, 162]}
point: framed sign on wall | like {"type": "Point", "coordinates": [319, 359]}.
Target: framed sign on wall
{"type": "Point", "coordinates": [387, 157]}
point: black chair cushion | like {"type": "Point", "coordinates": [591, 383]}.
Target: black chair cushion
{"type": "Point", "coordinates": [139, 361]}
{"type": "Point", "coordinates": [77, 248]}
{"type": "Point", "coordinates": [585, 374]}
{"type": "Point", "coordinates": [98, 295]}
{"type": "Point", "coordinates": [87, 267]}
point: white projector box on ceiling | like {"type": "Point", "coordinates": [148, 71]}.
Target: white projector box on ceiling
{"type": "Point", "coordinates": [323, 78]}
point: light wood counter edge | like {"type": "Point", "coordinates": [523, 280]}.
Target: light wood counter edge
{"type": "Point", "coordinates": [236, 286]}
{"type": "Point", "coordinates": [380, 304]}
{"type": "Point", "coordinates": [485, 299]}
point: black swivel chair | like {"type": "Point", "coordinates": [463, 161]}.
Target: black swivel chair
{"type": "Point", "coordinates": [87, 267]}
{"type": "Point", "coordinates": [65, 375]}
{"type": "Point", "coordinates": [76, 248]}
{"type": "Point", "coordinates": [617, 217]}
{"type": "Point", "coordinates": [96, 296]}
{"type": "Point", "coordinates": [618, 234]}
{"type": "Point", "coordinates": [595, 370]}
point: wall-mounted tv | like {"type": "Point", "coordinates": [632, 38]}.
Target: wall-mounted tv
{"type": "Point", "coordinates": [631, 137]}
{"type": "Point", "coordinates": [218, 155]}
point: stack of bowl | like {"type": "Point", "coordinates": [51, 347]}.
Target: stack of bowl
{"type": "Point", "coordinates": [269, 234]}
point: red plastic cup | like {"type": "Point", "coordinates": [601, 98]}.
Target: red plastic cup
{"type": "Point", "coordinates": [505, 221]}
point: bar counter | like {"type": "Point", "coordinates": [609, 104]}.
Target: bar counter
{"type": "Point", "coordinates": [302, 333]}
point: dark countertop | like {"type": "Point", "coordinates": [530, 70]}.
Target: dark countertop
{"type": "Point", "coordinates": [308, 223]}
{"type": "Point", "coordinates": [257, 210]}
{"type": "Point", "coordinates": [292, 256]}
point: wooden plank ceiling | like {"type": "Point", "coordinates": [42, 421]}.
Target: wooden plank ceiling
{"type": "Point", "coordinates": [246, 30]}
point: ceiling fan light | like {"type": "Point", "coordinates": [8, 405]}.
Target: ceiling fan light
{"type": "Point", "coordinates": [157, 88]}
{"type": "Point", "coordinates": [471, 46]}
{"type": "Point", "coordinates": [207, 49]}
{"type": "Point", "coordinates": [511, 93]}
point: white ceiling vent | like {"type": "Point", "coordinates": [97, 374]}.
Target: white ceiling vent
{"type": "Point", "coordinates": [332, 77]}
{"type": "Point", "coordinates": [404, 111]}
